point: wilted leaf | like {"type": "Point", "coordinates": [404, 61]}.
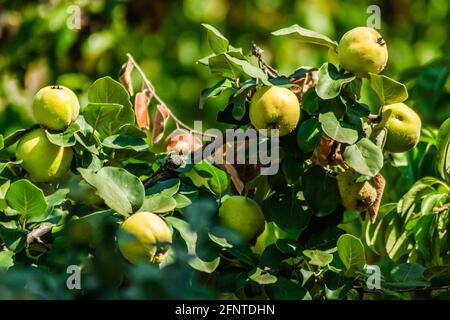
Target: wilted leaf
{"type": "Point", "coordinates": [141, 102]}
{"type": "Point", "coordinates": [160, 119]}
{"type": "Point", "coordinates": [125, 76]}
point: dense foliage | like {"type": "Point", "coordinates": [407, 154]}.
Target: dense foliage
{"type": "Point", "coordinates": [314, 244]}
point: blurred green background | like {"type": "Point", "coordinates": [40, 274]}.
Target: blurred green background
{"type": "Point", "coordinates": [38, 48]}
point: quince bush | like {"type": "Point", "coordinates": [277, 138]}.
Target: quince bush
{"type": "Point", "coordinates": [92, 188]}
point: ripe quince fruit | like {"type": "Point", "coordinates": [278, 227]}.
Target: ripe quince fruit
{"type": "Point", "coordinates": [55, 107]}
{"type": "Point", "coordinates": [242, 215]}
{"type": "Point", "coordinates": [362, 50]}
{"type": "Point", "coordinates": [275, 107]}
{"type": "Point", "coordinates": [144, 237]}
{"type": "Point", "coordinates": [403, 127]}
{"type": "Point", "coordinates": [43, 160]}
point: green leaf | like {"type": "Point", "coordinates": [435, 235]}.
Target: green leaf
{"type": "Point", "coordinates": [230, 67]}
{"type": "Point", "coordinates": [351, 252]}
{"type": "Point", "coordinates": [396, 239]}
{"type": "Point", "coordinates": [215, 90]}
{"type": "Point", "coordinates": [65, 138]}
{"type": "Point", "coordinates": [125, 142]}
{"type": "Point", "coordinates": [159, 203]}
{"type": "Point", "coordinates": [443, 134]}
{"type": "Point", "coordinates": [217, 42]}
{"type": "Point", "coordinates": [304, 35]}
{"type": "Point", "coordinates": [287, 212]}
{"type": "Point", "coordinates": [331, 81]}
{"type": "Point", "coordinates": [431, 201]}
{"type": "Point", "coordinates": [374, 232]}
{"type": "Point", "coordinates": [311, 102]}
{"type": "Point", "coordinates": [15, 136]}
{"type": "Point", "coordinates": [121, 191]}
{"type": "Point", "coordinates": [172, 190]}
{"type": "Point", "coordinates": [9, 165]}
{"type": "Point", "coordinates": [308, 135]}
{"type": "Point", "coordinates": [285, 289]}
{"type": "Point", "coordinates": [6, 260]}
{"type": "Point", "coordinates": [190, 237]}
{"type": "Point", "coordinates": [379, 137]}
{"type": "Point", "coordinates": [207, 175]}
{"type": "Point", "coordinates": [364, 157]}
{"type": "Point", "coordinates": [336, 286]}
{"type": "Point", "coordinates": [318, 258]}
{"type": "Point", "coordinates": [408, 275]}
{"type": "Point", "coordinates": [424, 233]}
{"type": "Point", "coordinates": [239, 98]}
{"type": "Point", "coordinates": [101, 116]}
{"type": "Point", "coordinates": [27, 199]}
{"type": "Point", "coordinates": [14, 239]}
{"type": "Point", "coordinates": [181, 200]}
{"type": "Point", "coordinates": [261, 277]}
{"type": "Point", "coordinates": [333, 128]}
{"type": "Point", "coordinates": [420, 189]}
{"type": "Point", "coordinates": [56, 198]}
{"type": "Point", "coordinates": [388, 90]}
{"type": "Point", "coordinates": [106, 90]}
{"type": "Point", "coordinates": [202, 213]}
{"type": "Point", "coordinates": [444, 151]}
{"type": "Point", "coordinates": [317, 184]}
{"type": "Point", "coordinates": [2, 142]}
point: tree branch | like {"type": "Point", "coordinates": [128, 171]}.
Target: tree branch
{"type": "Point", "coordinates": [149, 86]}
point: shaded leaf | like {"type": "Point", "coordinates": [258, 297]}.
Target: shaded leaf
{"type": "Point", "coordinates": [351, 252]}
{"type": "Point", "coordinates": [331, 81]}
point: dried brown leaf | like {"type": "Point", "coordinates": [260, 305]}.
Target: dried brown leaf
{"type": "Point", "coordinates": [141, 102]}
{"type": "Point", "coordinates": [125, 76]}
{"type": "Point", "coordinates": [160, 119]}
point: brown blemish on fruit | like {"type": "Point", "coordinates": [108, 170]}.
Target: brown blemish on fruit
{"type": "Point", "coordinates": [381, 41]}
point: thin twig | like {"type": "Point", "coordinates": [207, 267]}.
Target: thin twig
{"type": "Point", "coordinates": [151, 89]}
{"type": "Point", "coordinates": [443, 208]}
{"type": "Point", "coordinates": [257, 52]}
{"type": "Point", "coordinates": [374, 117]}
{"type": "Point", "coordinates": [174, 161]}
